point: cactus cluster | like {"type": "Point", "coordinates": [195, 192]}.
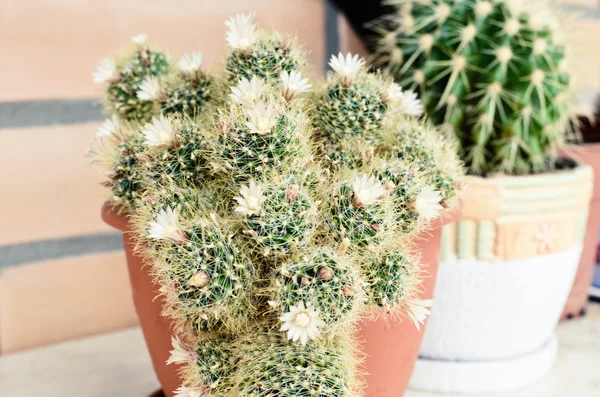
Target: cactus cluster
{"type": "Point", "coordinates": [492, 72]}
{"type": "Point", "coordinates": [275, 219]}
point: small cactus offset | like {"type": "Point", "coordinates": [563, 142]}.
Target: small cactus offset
{"type": "Point", "coordinates": [493, 72]}
{"type": "Point", "coordinates": [133, 82]}
{"type": "Point", "coordinates": [257, 53]}
{"type": "Point", "coordinates": [188, 90]}
{"type": "Point", "coordinates": [322, 280]}
{"type": "Point", "coordinates": [275, 220]}
{"type": "Point", "coordinates": [286, 219]}
{"type": "Point", "coordinates": [121, 151]}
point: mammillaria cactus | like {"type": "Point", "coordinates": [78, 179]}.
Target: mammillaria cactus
{"type": "Point", "coordinates": [493, 72]}
{"type": "Point", "coordinates": [262, 246]}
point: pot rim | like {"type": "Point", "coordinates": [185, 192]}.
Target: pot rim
{"type": "Point", "coordinates": [112, 217]}
{"type": "Point", "coordinates": [581, 168]}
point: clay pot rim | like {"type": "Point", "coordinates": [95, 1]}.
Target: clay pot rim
{"type": "Point", "coordinates": [496, 178]}
{"type": "Point", "coordinates": [112, 218]}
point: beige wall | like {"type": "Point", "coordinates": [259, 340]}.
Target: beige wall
{"type": "Point", "coordinates": [48, 50]}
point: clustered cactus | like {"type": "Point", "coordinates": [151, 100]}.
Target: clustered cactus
{"type": "Point", "coordinates": [493, 72]}
{"type": "Point", "coordinates": [273, 218]}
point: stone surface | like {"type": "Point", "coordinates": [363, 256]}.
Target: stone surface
{"type": "Point", "coordinates": [118, 364]}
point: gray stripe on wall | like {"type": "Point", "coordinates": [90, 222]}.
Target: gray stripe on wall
{"type": "Point", "coordinates": [332, 39]}
{"type": "Point", "coordinates": [49, 112]}
{"type": "Point", "coordinates": [18, 254]}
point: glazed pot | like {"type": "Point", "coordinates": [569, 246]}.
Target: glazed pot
{"type": "Point", "coordinates": [156, 329]}
{"type": "Point", "coordinates": [588, 153]}
{"type": "Point", "coordinates": [391, 345]}
{"type": "Point", "coordinates": [506, 270]}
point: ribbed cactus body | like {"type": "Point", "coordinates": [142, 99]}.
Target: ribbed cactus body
{"type": "Point", "coordinates": [187, 96]}
{"type": "Point", "coordinates": [245, 154]}
{"type": "Point", "coordinates": [361, 225]}
{"type": "Point", "coordinates": [122, 94]}
{"type": "Point", "coordinates": [267, 59]}
{"type": "Point", "coordinates": [494, 75]}
{"type": "Point", "coordinates": [406, 186]}
{"type": "Point", "coordinates": [215, 363]}
{"type": "Point", "coordinates": [351, 110]}
{"type": "Point", "coordinates": [286, 221]}
{"type": "Point", "coordinates": [280, 368]}
{"type": "Point", "coordinates": [187, 160]}
{"type": "Point", "coordinates": [386, 279]}
{"type": "Point", "coordinates": [127, 175]}
{"type": "Point", "coordinates": [321, 280]}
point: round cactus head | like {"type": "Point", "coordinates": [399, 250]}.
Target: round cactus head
{"type": "Point", "coordinates": [133, 82]}
{"type": "Point", "coordinates": [258, 53]}
{"type": "Point", "coordinates": [494, 72]}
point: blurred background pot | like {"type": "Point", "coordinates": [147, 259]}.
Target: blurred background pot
{"type": "Point", "coordinates": [506, 270]}
{"type": "Point", "coordinates": [156, 328]}
{"type": "Point", "coordinates": [589, 153]}
{"type": "Point", "coordinates": [392, 345]}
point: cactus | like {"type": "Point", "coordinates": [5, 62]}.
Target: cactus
{"type": "Point", "coordinates": [388, 278]}
{"type": "Point", "coordinates": [189, 90]}
{"type": "Point", "coordinates": [493, 72]}
{"type": "Point", "coordinates": [259, 54]}
{"type": "Point", "coordinates": [133, 82]}
{"type": "Point", "coordinates": [356, 103]}
{"type": "Point", "coordinates": [265, 136]}
{"type": "Point", "coordinates": [285, 221]}
{"type": "Point", "coordinates": [207, 278]}
{"type": "Point", "coordinates": [272, 219]}
{"type": "Point", "coordinates": [357, 211]}
{"type": "Point", "coordinates": [278, 368]}
{"type": "Point", "coordinates": [122, 152]}
{"type": "Point", "coordinates": [322, 280]}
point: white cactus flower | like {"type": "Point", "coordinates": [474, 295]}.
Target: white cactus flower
{"type": "Point", "coordinates": [190, 63]}
{"type": "Point", "coordinates": [140, 39]}
{"type": "Point", "coordinates": [262, 119]}
{"type": "Point", "coordinates": [159, 132]}
{"type": "Point", "coordinates": [293, 84]}
{"type": "Point", "coordinates": [106, 71]}
{"type": "Point", "coordinates": [301, 323]}
{"type": "Point", "coordinates": [166, 226]}
{"type": "Point", "coordinates": [184, 391]}
{"type": "Point", "coordinates": [251, 201]}
{"type": "Point", "coordinates": [394, 93]}
{"type": "Point", "coordinates": [149, 90]}
{"type": "Point", "coordinates": [367, 190]}
{"type": "Point", "coordinates": [109, 128]}
{"type": "Point", "coordinates": [427, 203]}
{"type": "Point", "coordinates": [242, 32]}
{"type": "Point", "coordinates": [411, 105]}
{"type": "Point", "coordinates": [179, 354]}
{"type": "Point", "coordinates": [248, 91]}
{"type": "Point", "coordinates": [417, 310]}
{"type": "Point", "coordinates": [346, 67]}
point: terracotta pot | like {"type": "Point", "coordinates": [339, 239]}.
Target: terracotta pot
{"type": "Point", "coordinates": [156, 329]}
{"type": "Point", "coordinates": [588, 153]}
{"type": "Point", "coordinates": [506, 270]}
{"type": "Point", "coordinates": [392, 346]}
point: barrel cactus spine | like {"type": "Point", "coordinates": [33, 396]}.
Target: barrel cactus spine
{"type": "Point", "coordinates": [493, 72]}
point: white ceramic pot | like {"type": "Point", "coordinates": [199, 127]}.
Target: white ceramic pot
{"type": "Point", "coordinates": [506, 271]}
